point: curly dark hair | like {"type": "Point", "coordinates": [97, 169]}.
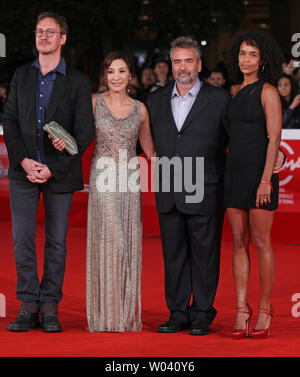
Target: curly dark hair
{"type": "Point", "coordinates": [270, 53]}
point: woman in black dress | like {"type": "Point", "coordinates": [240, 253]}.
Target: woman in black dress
{"type": "Point", "coordinates": [251, 189]}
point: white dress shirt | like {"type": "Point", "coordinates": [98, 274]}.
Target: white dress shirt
{"type": "Point", "coordinates": [181, 106]}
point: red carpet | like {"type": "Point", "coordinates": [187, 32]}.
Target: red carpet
{"type": "Point", "coordinates": [76, 341]}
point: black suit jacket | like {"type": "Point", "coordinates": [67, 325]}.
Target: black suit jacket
{"type": "Point", "coordinates": [202, 135]}
{"type": "Point", "coordinates": [70, 106]}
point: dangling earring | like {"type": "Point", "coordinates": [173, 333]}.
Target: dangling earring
{"type": "Point", "coordinates": [127, 89]}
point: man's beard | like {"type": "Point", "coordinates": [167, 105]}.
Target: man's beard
{"type": "Point", "coordinates": [186, 80]}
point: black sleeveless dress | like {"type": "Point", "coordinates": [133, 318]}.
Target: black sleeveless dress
{"type": "Point", "coordinates": [248, 141]}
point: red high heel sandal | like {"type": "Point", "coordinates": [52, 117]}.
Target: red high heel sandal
{"type": "Point", "coordinates": [262, 333]}
{"type": "Point", "coordinates": [243, 333]}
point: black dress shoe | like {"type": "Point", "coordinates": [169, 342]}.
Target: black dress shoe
{"type": "Point", "coordinates": [172, 325]}
{"type": "Point", "coordinates": [25, 321]}
{"type": "Point", "coordinates": [199, 328]}
{"type": "Point", "coordinates": [50, 322]}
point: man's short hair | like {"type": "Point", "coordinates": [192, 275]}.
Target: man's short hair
{"type": "Point", "coordinates": [59, 19]}
{"type": "Point", "coordinates": [185, 42]}
{"type": "Point", "coordinates": [216, 70]}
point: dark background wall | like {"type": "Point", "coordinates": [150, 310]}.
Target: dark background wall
{"type": "Point", "coordinates": [142, 27]}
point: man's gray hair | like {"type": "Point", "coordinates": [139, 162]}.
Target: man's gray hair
{"type": "Point", "coordinates": [185, 42]}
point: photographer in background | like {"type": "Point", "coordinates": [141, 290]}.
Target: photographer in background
{"type": "Point", "coordinates": [292, 68]}
{"type": "Point", "coordinates": [161, 69]}
{"type": "Point", "coordinates": [217, 78]}
{"type": "Point", "coordinates": [290, 100]}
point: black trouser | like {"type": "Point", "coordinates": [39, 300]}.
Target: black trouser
{"type": "Point", "coordinates": [191, 247]}
{"type": "Point", "coordinates": [24, 200]}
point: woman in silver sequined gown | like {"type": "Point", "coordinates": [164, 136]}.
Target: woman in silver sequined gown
{"type": "Point", "coordinates": [114, 232]}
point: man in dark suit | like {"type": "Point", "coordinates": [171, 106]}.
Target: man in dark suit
{"type": "Point", "coordinates": [186, 118]}
{"type": "Point", "coordinates": [43, 91]}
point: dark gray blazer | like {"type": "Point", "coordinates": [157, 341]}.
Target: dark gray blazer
{"type": "Point", "coordinates": [70, 106]}
{"type": "Point", "coordinates": [202, 135]}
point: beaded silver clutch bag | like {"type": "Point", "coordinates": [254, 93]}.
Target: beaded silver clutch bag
{"type": "Point", "coordinates": [57, 131]}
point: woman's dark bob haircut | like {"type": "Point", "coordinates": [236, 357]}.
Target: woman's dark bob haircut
{"type": "Point", "coordinates": [270, 54]}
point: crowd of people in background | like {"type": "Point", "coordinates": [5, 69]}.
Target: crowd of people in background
{"type": "Point", "coordinates": [159, 74]}
{"type": "Point", "coordinates": [289, 90]}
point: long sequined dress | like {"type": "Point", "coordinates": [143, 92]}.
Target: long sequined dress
{"type": "Point", "coordinates": [114, 232]}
